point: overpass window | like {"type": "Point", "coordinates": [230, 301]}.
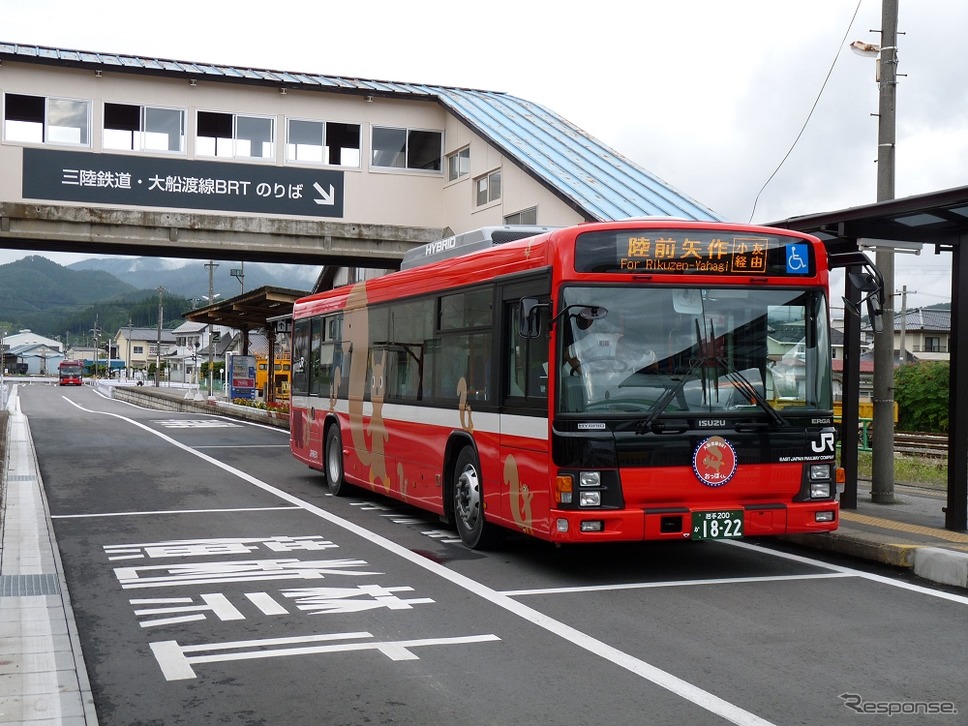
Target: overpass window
{"type": "Point", "coordinates": [458, 164]}
{"type": "Point", "coordinates": [143, 128]}
{"type": "Point", "coordinates": [40, 120]}
{"type": "Point", "coordinates": [325, 142]}
{"type": "Point", "coordinates": [488, 188]}
{"type": "Point", "coordinates": [407, 148]}
{"type": "Point", "coordinates": [227, 135]}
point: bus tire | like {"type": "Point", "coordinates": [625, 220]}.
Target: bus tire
{"type": "Point", "coordinates": [468, 492]}
{"type": "Point", "coordinates": [333, 462]}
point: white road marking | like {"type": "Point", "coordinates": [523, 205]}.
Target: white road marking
{"type": "Point", "coordinates": [196, 423]}
{"type": "Point", "coordinates": [168, 652]}
{"type": "Point", "coordinates": [176, 662]}
{"type": "Point", "coordinates": [672, 583]}
{"type": "Point", "coordinates": [173, 511]}
{"type": "Point", "coordinates": [849, 570]}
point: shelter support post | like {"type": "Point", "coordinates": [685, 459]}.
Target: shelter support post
{"type": "Point", "coordinates": [956, 511]}
{"type": "Point", "coordinates": [850, 400]}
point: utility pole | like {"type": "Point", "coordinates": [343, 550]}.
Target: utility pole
{"type": "Point", "coordinates": [903, 346]}
{"type": "Point", "coordinates": [882, 443]}
{"type": "Point", "coordinates": [211, 265]}
{"type": "Point", "coordinates": [239, 274]}
{"type": "Point", "coordinates": [161, 314]}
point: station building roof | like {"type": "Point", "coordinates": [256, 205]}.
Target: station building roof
{"type": "Point", "coordinates": [594, 179]}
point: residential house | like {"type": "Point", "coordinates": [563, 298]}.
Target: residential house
{"type": "Point", "coordinates": [924, 333]}
{"type": "Point", "coordinates": [141, 348]}
{"type": "Point", "coordinates": [32, 354]}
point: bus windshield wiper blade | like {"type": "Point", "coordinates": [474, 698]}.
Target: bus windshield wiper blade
{"type": "Point", "coordinates": [744, 385]}
{"type": "Point", "coordinates": [644, 424]}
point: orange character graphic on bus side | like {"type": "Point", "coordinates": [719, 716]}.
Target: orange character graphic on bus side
{"type": "Point", "coordinates": [356, 335]}
{"type": "Point", "coordinates": [520, 496]}
{"type": "Point", "coordinates": [463, 407]}
{"type": "Point", "coordinates": [376, 428]}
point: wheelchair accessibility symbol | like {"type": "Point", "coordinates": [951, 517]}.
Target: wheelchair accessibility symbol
{"type": "Point", "coordinates": [797, 260]}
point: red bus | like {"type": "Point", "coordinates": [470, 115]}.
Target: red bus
{"type": "Point", "coordinates": [70, 372]}
{"type": "Point", "coordinates": [637, 380]}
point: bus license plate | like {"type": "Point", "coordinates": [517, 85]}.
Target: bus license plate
{"type": "Point", "coordinates": [724, 524]}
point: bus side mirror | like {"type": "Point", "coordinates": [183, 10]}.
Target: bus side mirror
{"type": "Point", "coordinates": [529, 321]}
{"type": "Point", "coordinates": [871, 284]}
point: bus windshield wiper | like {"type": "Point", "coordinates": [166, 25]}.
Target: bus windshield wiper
{"type": "Point", "coordinates": [644, 424]}
{"type": "Point", "coordinates": [743, 384]}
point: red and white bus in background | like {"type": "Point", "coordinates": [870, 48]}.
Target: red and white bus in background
{"type": "Point", "coordinates": [71, 373]}
{"type": "Point", "coordinates": [636, 380]}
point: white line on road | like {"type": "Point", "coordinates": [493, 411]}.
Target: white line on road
{"type": "Point", "coordinates": [172, 511]}
{"type": "Point", "coordinates": [682, 688]}
{"type": "Point", "coordinates": [673, 583]}
{"type": "Point", "coordinates": [849, 570]}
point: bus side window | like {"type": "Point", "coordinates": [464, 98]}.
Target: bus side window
{"type": "Point", "coordinates": [528, 358]}
{"type": "Point", "coordinates": [300, 357]}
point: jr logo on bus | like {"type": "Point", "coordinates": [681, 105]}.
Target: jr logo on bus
{"type": "Point", "coordinates": [714, 461]}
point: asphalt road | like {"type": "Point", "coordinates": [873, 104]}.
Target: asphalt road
{"type": "Point", "coordinates": [213, 581]}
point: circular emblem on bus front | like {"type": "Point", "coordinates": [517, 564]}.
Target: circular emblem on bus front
{"type": "Point", "coordinates": [714, 461]}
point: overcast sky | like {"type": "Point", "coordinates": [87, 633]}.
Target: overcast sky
{"type": "Point", "coordinates": [708, 95]}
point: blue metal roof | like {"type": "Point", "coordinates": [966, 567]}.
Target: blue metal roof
{"type": "Point", "coordinates": [595, 180]}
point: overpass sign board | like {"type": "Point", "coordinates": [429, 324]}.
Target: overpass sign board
{"type": "Point", "coordinates": [143, 181]}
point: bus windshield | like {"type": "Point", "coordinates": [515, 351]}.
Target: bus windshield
{"type": "Point", "coordinates": [693, 350]}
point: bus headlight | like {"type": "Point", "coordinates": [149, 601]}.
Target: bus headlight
{"type": "Point", "coordinates": [820, 481]}
{"type": "Point", "coordinates": [589, 499]}
{"type": "Point", "coordinates": [820, 490]}
{"type": "Point", "coordinates": [590, 479]}
{"type": "Point", "coordinates": [820, 472]}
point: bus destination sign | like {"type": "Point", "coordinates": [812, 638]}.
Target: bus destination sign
{"type": "Point", "coordinates": [691, 252]}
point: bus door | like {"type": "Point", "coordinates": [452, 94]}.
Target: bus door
{"type": "Point", "coordinates": [314, 359]}
{"type": "Point", "coordinates": [524, 433]}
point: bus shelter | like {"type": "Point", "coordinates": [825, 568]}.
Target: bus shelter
{"type": "Point", "coordinates": [938, 219]}
{"type": "Point", "coordinates": [265, 308]}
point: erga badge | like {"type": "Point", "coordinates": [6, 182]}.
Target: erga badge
{"type": "Point", "coordinates": [714, 461]}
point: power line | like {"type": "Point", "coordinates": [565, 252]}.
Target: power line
{"type": "Point", "coordinates": [809, 115]}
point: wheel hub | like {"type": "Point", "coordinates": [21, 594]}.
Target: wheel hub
{"type": "Point", "coordinates": [468, 496]}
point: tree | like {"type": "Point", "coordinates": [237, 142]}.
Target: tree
{"type": "Point", "coordinates": [922, 394]}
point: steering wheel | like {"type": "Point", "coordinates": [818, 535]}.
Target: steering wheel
{"type": "Point", "coordinates": [607, 364]}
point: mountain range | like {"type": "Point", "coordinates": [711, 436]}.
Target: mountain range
{"type": "Point", "coordinates": [190, 278]}
{"type": "Point", "coordinates": [47, 298]}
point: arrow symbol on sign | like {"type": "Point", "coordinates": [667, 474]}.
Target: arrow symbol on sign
{"type": "Point", "coordinates": [327, 198]}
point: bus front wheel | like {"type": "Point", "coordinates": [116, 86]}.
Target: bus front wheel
{"type": "Point", "coordinates": [333, 453]}
{"type": "Point", "coordinates": [474, 529]}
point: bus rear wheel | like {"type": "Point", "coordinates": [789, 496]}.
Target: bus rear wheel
{"type": "Point", "coordinates": [333, 462]}
{"type": "Point", "coordinates": [475, 531]}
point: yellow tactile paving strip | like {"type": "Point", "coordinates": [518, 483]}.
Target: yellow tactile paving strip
{"type": "Point", "coordinates": [943, 534]}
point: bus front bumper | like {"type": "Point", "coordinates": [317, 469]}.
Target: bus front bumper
{"type": "Point", "coordinates": [679, 523]}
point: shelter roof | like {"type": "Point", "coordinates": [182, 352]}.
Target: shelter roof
{"type": "Point", "coordinates": [250, 310]}
{"type": "Point", "coordinates": [939, 218]}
